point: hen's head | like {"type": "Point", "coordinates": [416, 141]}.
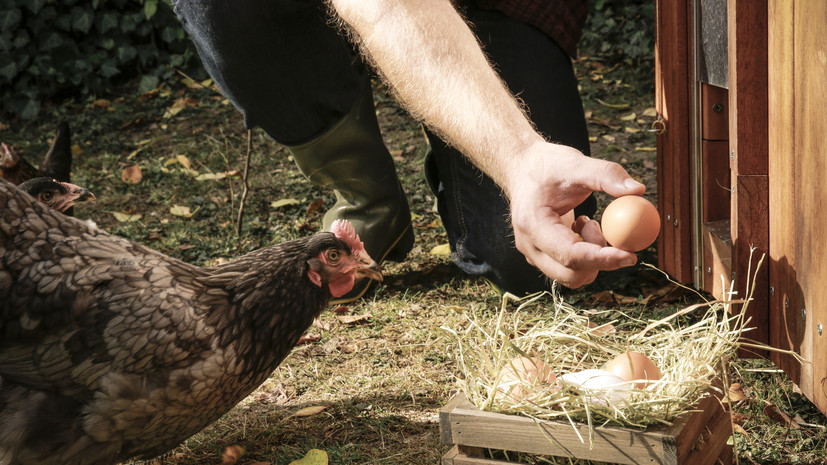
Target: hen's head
{"type": "Point", "coordinates": [55, 194]}
{"type": "Point", "coordinates": [340, 266]}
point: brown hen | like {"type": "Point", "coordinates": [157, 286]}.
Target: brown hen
{"type": "Point", "coordinates": [110, 350]}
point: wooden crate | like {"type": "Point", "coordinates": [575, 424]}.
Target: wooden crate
{"type": "Point", "coordinates": [697, 438]}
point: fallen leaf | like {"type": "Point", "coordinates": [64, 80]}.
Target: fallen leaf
{"type": "Point", "coordinates": [314, 206]}
{"type": "Point", "coordinates": [736, 393]}
{"type": "Point", "coordinates": [283, 203]}
{"type": "Point", "coordinates": [608, 137]}
{"type": "Point", "coordinates": [593, 139]}
{"type": "Point", "coordinates": [308, 338]}
{"type": "Point", "coordinates": [216, 261]}
{"type": "Point", "coordinates": [100, 103]}
{"type": "Point", "coordinates": [604, 296]}
{"type": "Point", "coordinates": [646, 149]}
{"type": "Point", "coordinates": [442, 249]}
{"type": "Point", "coordinates": [310, 411]}
{"type": "Point", "coordinates": [354, 319]}
{"type": "Point", "coordinates": [776, 414]}
{"type": "Point", "coordinates": [321, 325]}
{"type": "Point", "coordinates": [179, 105]}
{"type": "Point", "coordinates": [615, 148]}
{"type": "Point", "coordinates": [631, 130]}
{"type": "Point", "coordinates": [76, 150]}
{"type": "Point", "coordinates": [615, 106]}
{"type": "Point", "coordinates": [181, 210]}
{"type": "Point", "coordinates": [602, 330]}
{"type": "Point", "coordinates": [276, 394]}
{"type": "Point", "coordinates": [333, 344]}
{"type": "Point", "coordinates": [651, 112]}
{"type": "Point", "coordinates": [397, 155]}
{"type": "Point", "coordinates": [630, 117]}
{"type": "Point", "coordinates": [349, 347]}
{"type": "Point", "coordinates": [132, 174]}
{"type": "Point", "coordinates": [210, 177]}
{"type": "Point", "coordinates": [231, 455]}
{"type": "Point", "coordinates": [185, 246]}
{"type": "Point", "coordinates": [340, 309]}
{"type": "Point", "coordinates": [184, 161]}
{"type": "Point", "coordinates": [649, 164]}
{"type": "Point", "coordinates": [313, 457]}
{"type": "Point", "coordinates": [126, 217]}
{"type": "Point", "coordinates": [739, 429]}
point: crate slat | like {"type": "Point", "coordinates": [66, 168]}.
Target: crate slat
{"type": "Point", "coordinates": [463, 424]}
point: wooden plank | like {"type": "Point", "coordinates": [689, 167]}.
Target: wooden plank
{"type": "Point", "coordinates": [719, 431]}
{"type": "Point", "coordinates": [810, 94]}
{"type": "Point", "coordinates": [715, 180]}
{"type": "Point", "coordinates": [748, 103]}
{"type": "Point", "coordinates": [750, 218]}
{"type": "Point", "coordinates": [714, 113]}
{"type": "Point", "coordinates": [456, 457]}
{"type": "Point", "coordinates": [785, 301]}
{"type": "Point", "coordinates": [747, 38]}
{"type": "Point", "coordinates": [710, 414]}
{"type": "Point", "coordinates": [472, 427]}
{"type": "Point", "coordinates": [673, 101]}
{"type": "Point", "coordinates": [717, 245]}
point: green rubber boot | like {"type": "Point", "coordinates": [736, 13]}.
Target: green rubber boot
{"type": "Point", "coordinates": [352, 159]}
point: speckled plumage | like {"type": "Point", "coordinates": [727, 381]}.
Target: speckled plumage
{"type": "Point", "coordinates": [110, 350]}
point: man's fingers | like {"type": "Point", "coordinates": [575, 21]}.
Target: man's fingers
{"type": "Point", "coordinates": [572, 260]}
{"type": "Point", "coordinates": [589, 230]}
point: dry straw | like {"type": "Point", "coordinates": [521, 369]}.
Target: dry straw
{"type": "Point", "coordinates": [689, 354]}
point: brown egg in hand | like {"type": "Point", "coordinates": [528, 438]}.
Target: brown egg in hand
{"type": "Point", "coordinates": [522, 373]}
{"type": "Point", "coordinates": [634, 366]}
{"type": "Point", "coordinates": [630, 223]}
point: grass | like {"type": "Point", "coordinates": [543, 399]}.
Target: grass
{"type": "Point", "coordinates": [382, 380]}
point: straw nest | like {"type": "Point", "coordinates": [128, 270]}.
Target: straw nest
{"type": "Point", "coordinates": [690, 356]}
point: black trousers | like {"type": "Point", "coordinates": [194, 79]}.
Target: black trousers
{"type": "Point", "coordinates": [290, 72]}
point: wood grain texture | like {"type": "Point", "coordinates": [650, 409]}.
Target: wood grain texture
{"type": "Point", "coordinates": [747, 37]}
{"type": "Point", "coordinates": [810, 152]}
{"type": "Point", "coordinates": [748, 97]}
{"type": "Point", "coordinates": [750, 218]}
{"type": "Point", "coordinates": [785, 301]}
{"type": "Point", "coordinates": [717, 244]}
{"type": "Point", "coordinates": [715, 180]}
{"type": "Point", "coordinates": [673, 102]}
{"type": "Point", "coordinates": [714, 113]}
{"type": "Point", "coordinates": [461, 423]}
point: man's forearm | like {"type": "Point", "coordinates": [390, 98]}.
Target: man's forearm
{"type": "Point", "coordinates": [426, 52]}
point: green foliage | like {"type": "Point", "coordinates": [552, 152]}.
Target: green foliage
{"type": "Point", "coordinates": [50, 48]}
{"type": "Point", "coordinates": [620, 30]}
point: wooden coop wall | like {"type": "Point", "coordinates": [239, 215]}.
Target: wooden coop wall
{"type": "Point", "coordinates": [771, 129]}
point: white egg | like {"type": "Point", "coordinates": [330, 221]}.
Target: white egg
{"type": "Point", "coordinates": [599, 386]}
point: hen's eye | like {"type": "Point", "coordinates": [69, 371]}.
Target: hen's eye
{"type": "Point", "coordinates": [47, 196]}
{"type": "Point", "coordinates": [333, 256]}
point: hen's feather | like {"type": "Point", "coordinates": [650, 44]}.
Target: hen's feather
{"type": "Point", "coordinates": [110, 350]}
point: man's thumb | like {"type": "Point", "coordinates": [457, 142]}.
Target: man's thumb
{"type": "Point", "coordinates": [618, 182]}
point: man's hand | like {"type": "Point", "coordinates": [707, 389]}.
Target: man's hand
{"type": "Point", "coordinates": [548, 181]}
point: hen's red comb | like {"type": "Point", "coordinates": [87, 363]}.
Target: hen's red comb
{"type": "Point", "coordinates": [344, 231]}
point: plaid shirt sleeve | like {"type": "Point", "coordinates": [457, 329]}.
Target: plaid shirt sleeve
{"type": "Point", "coordinates": [562, 20]}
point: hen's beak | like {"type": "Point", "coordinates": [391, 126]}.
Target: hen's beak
{"type": "Point", "coordinates": [367, 268]}
{"type": "Point", "coordinates": [77, 193]}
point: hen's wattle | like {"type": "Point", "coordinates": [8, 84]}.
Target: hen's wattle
{"type": "Point", "coordinates": [110, 350]}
